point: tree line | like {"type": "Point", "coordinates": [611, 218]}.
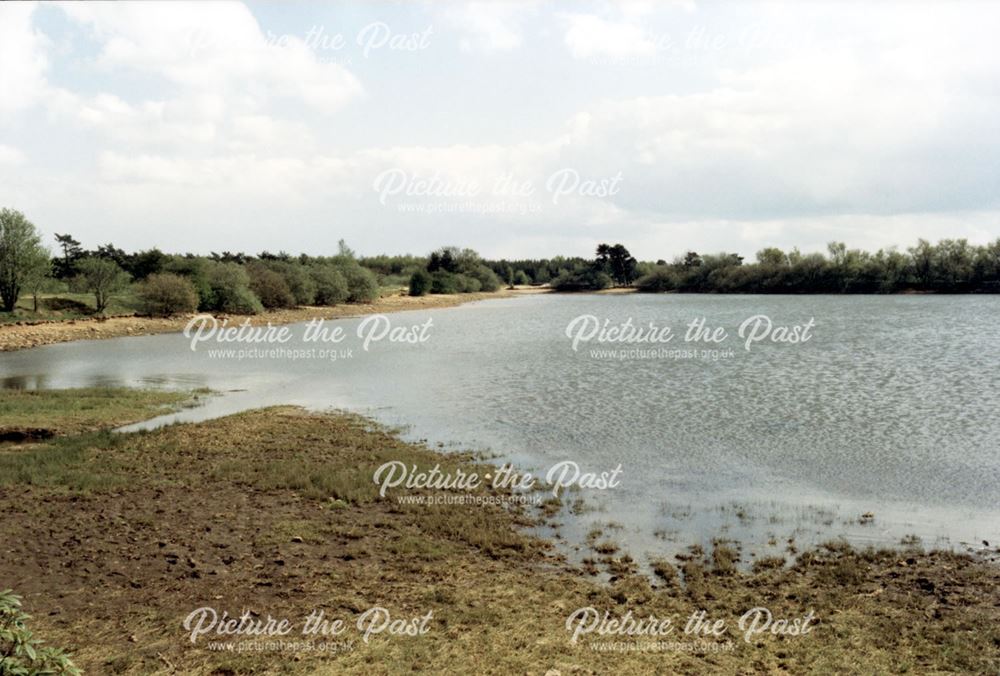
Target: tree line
{"type": "Point", "coordinates": [240, 283]}
{"type": "Point", "coordinates": [950, 266]}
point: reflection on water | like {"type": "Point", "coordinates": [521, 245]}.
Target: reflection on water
{"type": "Point", "coordinates": [29, 382]}
{"type": "Point", "coordinates": [890, 410]}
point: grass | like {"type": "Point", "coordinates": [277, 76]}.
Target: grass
{"type": "Point", "coordinates": [83, 410]}
{"type": "Point", "coordinates": [66, 306]}
{"type": "Point", "coordinates": [276, 511]}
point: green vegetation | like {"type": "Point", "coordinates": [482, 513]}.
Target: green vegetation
{"type": "Point", "coordinates": [453, 270]}
{"type": "Point", "coordinates": [24, 262]}
{"type": "Point", "coordinates": [21, 654]}
{"type": "Point", "coordinates": [164, 294]}
{"type": "Point", "coordinates": [80, 410]}
{"type": "Point", "coordinates": [951, 266]}
{"type": "Point", "coordinates": [156, 283]}
{"type": "Point", "coordinates": [238, 283]}
{"type": "Point", "coordinates": [103, 278]}
{"type": "Point", "coordinates": [276, 511]}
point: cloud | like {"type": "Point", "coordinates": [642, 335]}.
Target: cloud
{"type": "Point", "coordinates": [10, 156]}
{"type": "Point", "coordinates": [490, 26]}
{"type": "Point", "coordinates": [23, 58]}
{"type": "Point", "coordinates": [215, 47]}
{"type": "Point", "coordinates": [874, 126]}
{"type": "Point", "coordinates": [589, 36]}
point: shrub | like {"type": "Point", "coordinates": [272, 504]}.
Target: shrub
{"type": "Point", "coordinates": [166, 294]}
{"type": "Point", "coordinates": [299, 281]}
{"type": "Point", "coordinates": [420, 283]}
{"type": "Point", "coordinates": [331, 287]}
{"type": "Point", "coordinates": [521, 279]}
{"type": "Point", "coordinates": [229, 290]}
{"type": "Point", "coordinates": [197, 271]}
{"type": "Point", "coordinates": [361, 283]}
{"type": "Point", "coordinates": [20, 651]}
{"type": "Point", "coordinates": [465, 284]}
{"type": "Point", "coordinates": [488, 280]}
{"type": "Point", "coordinates": [581, 279]}
{"type": "Point", "coordinates": [660, 279]}
{"type": "Point", "coordinates": [443, 282]}
{"type": "Point", "coordinates": [270, 287]}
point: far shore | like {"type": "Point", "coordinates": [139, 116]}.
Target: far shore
{"type": "Point", "coordinates": [24, 335]}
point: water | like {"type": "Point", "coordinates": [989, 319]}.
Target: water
{"type": "Point", "coordinates": [889, 409]}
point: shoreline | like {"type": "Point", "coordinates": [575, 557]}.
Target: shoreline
{"type": "Point", "coordinates": [23, 335]}
{"type": "Point", "coordinates": [159, 524]}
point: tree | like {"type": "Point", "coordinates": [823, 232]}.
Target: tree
{"type": "Point", "coordinates": [420, 283]}
{"type": "Point", "coordinates": [617, 262]}
{"type": "Point", "coordinates": [102, 277]}
{"type": "Point", "coordinates": [772, 256]}
{"type": "Point", "coordinates": [344, 251]}
{"type": "Point", "coordinates": [623, 265]}
{"type": "Point", "coordinates": [72, 252]}
{"type": "Point", "coordinates": [39, 275]}
{"type": "Point", "coordinates": [146, 263]}
{"type": "Point", "coordinates": [508, 275]}
{"type": "Point", "coordinates": [691, 260]}
{"type": "Point", "coordinates": [22, 256]}
{"type": "Point", "coordinates": [113, 253]}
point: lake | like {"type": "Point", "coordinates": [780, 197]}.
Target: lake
{"type": "Point", "coordinates": [888, 409]}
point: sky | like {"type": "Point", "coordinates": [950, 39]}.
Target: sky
{"type": "Point", "coordinates": [519, 129]}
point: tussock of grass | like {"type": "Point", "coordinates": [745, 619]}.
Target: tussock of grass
{"type": "Point", "coordinates": [724, 558]}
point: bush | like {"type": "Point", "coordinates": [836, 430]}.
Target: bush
{"type": "Point", "coordinates": [581, 279]}
{"type": "Point", "coordinates": [660, 279]}
{"type": "Point", "coordinates": [443, 282]}
{"type": "Point", "coordinates": [165, 294]}
{"type": "Point", "coordinates": [20, 652]}
{"type": "Point", "coordinates": [521, 279]}
{"type": "Point", "coordinates": [270, 287]}
{"type": "Point", "coordinates": [331, 287]}
{"type": "Point", "coordinates": [361, 283]}
{"type": "Point", "coordinates": [197, 271]}
{"type": "Point", "coordinates": [420, 283]}
{"type": "Point", "coordinates": [488, 280]}
{"type": "Point", "coordinates": [466, 284]}
{"type": "Point", "coordinates": [229, 290]}
{"type": "Point", "coordinates": [298, 280]}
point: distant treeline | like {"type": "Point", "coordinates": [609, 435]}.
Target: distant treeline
{"type": "Point", "coordinates": [950, 266]}
{"type": "Point", "coordinates": [240, 283]}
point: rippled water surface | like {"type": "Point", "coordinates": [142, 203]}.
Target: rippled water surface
{"type": "Point", "coordinates": [891, 408]}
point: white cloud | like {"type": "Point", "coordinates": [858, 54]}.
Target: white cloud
{"type": "Point", "coordinates": [215, 47]}
{"type": "Point", "coordinates": [23, 61]}
{"type": "Point", "coordinates": [490, 26]}
{"type": "Point", "coordinates": [10, 156]}
{"type": "Point", "coordinates": [875, 126]}
{"type": "Point", "coordinates": [589, 36]}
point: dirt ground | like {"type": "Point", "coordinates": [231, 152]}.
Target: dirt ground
{"type": "Point", "coordinates": [113, 540]}
{"type": "Point", "coordinates": [23, 335]}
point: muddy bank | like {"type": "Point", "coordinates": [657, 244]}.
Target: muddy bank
{"type": "Point", "coordinates": [114, 540]}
